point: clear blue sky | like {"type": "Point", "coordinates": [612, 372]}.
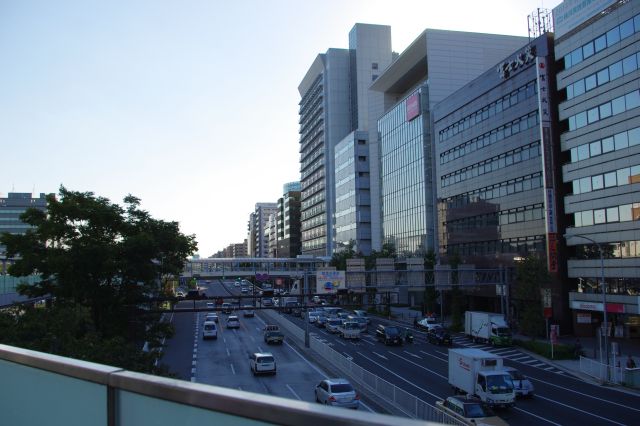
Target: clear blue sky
{"type": "Point", "coordinates": [192, 106]}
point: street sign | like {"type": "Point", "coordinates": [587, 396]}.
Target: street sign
{"type": "Point", "coordinates": [555, 330]}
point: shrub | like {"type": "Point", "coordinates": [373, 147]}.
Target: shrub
{"type": "Point", "coordinates": [560, 350]}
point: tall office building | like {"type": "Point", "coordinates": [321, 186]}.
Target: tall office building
{"type": "Point", "coordinates": [597, 49]}
{"type": "Point", "coordinates": [288, 219]}
{"type": "Point", "coordinates": [258, 222]}
{"type": "Point", "coordinates": [335, 102]}
{"type": "Point", "coordinates": [435, 65]}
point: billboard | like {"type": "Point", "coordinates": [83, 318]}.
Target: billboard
{"type": "Point", "coordinates": [329, 282]}
{"type": "Point", "coordinates": [412, 105]}
{"type": "Point", "coordinates": [571, 13]}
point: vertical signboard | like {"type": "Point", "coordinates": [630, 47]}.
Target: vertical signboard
{"type": "Point", "coordinates": [548, 170]}
{"type": "Point", "coordinates": [412, 105]}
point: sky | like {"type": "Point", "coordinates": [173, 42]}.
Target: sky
{"type": "Point", "coordinates": [190, 105]}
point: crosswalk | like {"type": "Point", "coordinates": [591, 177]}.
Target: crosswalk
{"type": "Point", "coordinates": [509, 353]}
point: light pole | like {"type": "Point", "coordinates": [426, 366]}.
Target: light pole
{"type": "Point", "coordinates": [604, 296]}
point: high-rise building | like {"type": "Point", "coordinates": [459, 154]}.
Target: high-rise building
{"type": "Point", "coordinates": [288, 221]}
{"type": "Point", "coordinates": [258, 221]}
{"type": "Point", "coordinates": [435, 65]}
{"type": "Point", "coordinates": [334, 102]}
{"type": "Point", "coordinates": [597, 49]}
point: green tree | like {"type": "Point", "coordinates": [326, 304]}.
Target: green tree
{"type": "Point", "coordinates": [100, 260]}
{"type": "Point", "coordinates": [456, 295]}
{"type": "Point", "coordinates": [339, 258]}
{"type": "Point", "coordinates": [531, 277]}
{"type": "Point", "coordinates": [388, 251]}
{"type": "Point", "coordinates": [430, 295]}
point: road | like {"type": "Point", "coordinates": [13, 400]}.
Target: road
{"type": "Point", "coordinates": [420, 369]}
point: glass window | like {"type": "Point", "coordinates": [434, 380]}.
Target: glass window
{"type": "Point", "coordinates": [621, 140]}
{"type": "Point", "coordinates": [581, 119]}
{"type": "Point", "coordinates": [629, 64]}
{"type": "Point", "coordinates": [587, 218]}
{"type": "Point", "coordinates": [617, 105]}
{"type": "Point", "coordinates": [615, 70]}
{"type": "Point", "coordinates": [634, 136]}
{"type": "Point", "coordinates": [578, 87]}
{"type": "Point", "coordinates": [599, 44]}
{"type": "Point", "coordinates": [595, 148]}
{"type": "Point", "coordinates": [623, 176]}
{"type": "Point", "coordinates": [599, 216]}
{"type": "Point", "coordinates": [583, 152]}
{"type": "Point", "coordinates": [612, 214]}
{"type": "Point", "coordinates": [585, 185]}
{"type": "Point", "coordinates": [593, 115]}
{"type": "Point", "coordinates": [576, 56]}
{"type": "Point", "coordinates": [636, 22]}
{"type": "Point", "coordinates": [590, 82]}
{"type": "Point", "coordinates": [572, 123]}
{"type": "Point", "coordinates": [610, 179]}
{"type": "Point", "coordinates": [613, 36]}
{"type": "Point", "coordinates": [626, 29]}
{"type": "Point", "coordinates": [603, 76]}
{"type": "Point", "coordinates": [605, 110]}
{"type": "Point", "coordinates": [587, 50]}
{"type": "Point", "coordinates": [635, 174]}
{"type": "Point", "coordinates": [632, 100]}
{"type": "Point", "coordinates": [607, 145]}
{"type": "Point", "coordinates": [574, 155]}
{"type": "Point", "coordinates": [625, 213]}
{"type": "Point", "coordinates": [597, 182]}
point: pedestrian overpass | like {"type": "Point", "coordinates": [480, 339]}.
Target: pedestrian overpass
{"type": "Point", "coordinates": [253, 266]}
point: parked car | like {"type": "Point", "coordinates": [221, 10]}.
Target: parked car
{"type": "Point", "coordinates": [233, 321]}
{"type": "Point", "coordinates": [227, 308]}
{"type": "Point", "coordinates": [262, 363]}
{"type": "Point", "coordinates": [274, 336]}
{"type": "Point", "coordinates": [389, 334]}
{"type": "Point", "coordinates": [247, 311]}
{"type": "Point", "coordinates": [211, 317]}
{"type": "Point", "coordinates": [209, 330]}
{"type": "Point", "coordinates": [362, 314]}
{"type": "Point", "coordinates": [470, 411]}
{"type": "Point", "coordinates": [521, 384]}
{"type": "Point", "coordinates": [337, 392]}
{"type": "Point", "coordinates": [439, 336]}
{"type": "Point", "coordinates": [333, 325]}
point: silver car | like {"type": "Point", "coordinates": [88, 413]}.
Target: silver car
{"type": "Point", "coordinates": [337, 392]}
{"type": "Point", "coordinates": [332, 324]}
{"type": "Point", "coordinates": [521, 384]}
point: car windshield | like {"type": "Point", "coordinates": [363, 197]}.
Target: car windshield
{"type": "Point", "coordinates": [476, 410]}
{"type": "Point", "coordinates": [335, 322]}
{"type": "Point", "coordinates": [504, 331]}
{"type": "Point", "coordinates": [392, 331]}
{"type": "Point", "coordinates": [499, 383]}
{"type": "Point", "coordinates": [341, 388]}
{"type": "Point", "coordinates": [209, 327]}
{"type": "Point", "coordinates": [265, 359]}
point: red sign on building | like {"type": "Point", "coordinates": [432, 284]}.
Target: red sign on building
{"type": "Point", "coordinates": [412, 105]}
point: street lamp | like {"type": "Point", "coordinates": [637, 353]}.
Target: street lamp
{"type": "Point", "coordinates": [604, 295]}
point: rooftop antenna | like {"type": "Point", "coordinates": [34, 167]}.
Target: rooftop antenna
{"type": "Point", "coordinates": [540, 21]}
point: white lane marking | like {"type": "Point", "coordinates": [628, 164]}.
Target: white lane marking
{"type": "Point", "coordinates": [531, 361]}
{"type": "Point", "coordinates": [413, 355]}
{"type": "Point", "coordinates": [252, 338]}
{"type": "Point", "coordinates": [550, 368]}
{"type": "Point", "coordinates": [520, 358]}
{"type": "Point", "coordinates": [341, 342]}
{"type": "Point", "coordinates": [540, 364]}
{"type": "Point", "coordinates": [420, 366]}
{"type": "Point", "coordinates": [228, 353]}
{"type": "Point", "coordinates": [582, 393]}
{"type": "Point", "coordinates": [441, 359]}
{"type": "Point", "coordinates": [233, 370]}
{"type": "Point", "coordinates": [578, 409]}
{"type": "Point", "coordinates": [381, 356]}
{"type": "Point", "coordinates": [535, 415]}
{"type": "Point", "coordinates": [193, 363]}
{"type": "Point", "coordinates": [371, 343]}
{"type": "Point", "coordinates": [293, 392]}
{"type": "Point", "coordinates": [505, 351]}
{"type": "Point", "coordinates": [260, 349]}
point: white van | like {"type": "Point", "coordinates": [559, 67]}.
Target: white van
{"type": "Point", "coordinates": [209, 330]}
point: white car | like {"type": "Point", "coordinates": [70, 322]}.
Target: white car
{"type": "Point", "coordinates": [262, 362]}
{"type": "Point", "coordinates": [521, 384]}
{"type": "Point", "coordinates": [429, 323]}
{"type": "Point", "coordinates": [211, 317]}
{"type": "Point", "coordinates": [333, 324]}
{"type": "Point", "coordinates": [233, 321]}
{"type": "Point", "coordinates": [337, 392]}
{"type": "Point", "coordinates": [209, 330]}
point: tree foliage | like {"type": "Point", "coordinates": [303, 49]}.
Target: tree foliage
{"type": "Point", "coordinates": [531, 277]}
{"type": "Point", "coordinates": [98, 261]}
{"type": "Point", "coordinates": [339, 258]}
{"type": "Point", "coordinates": [430, 295]}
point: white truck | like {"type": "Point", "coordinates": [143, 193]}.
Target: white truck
{"type": "Point", "coordinates": [480, 373]}
{"type": "Point", "coordinates": [487, 327]}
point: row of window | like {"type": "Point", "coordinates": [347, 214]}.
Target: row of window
{"type": "Point", "coordinates": [523, 245]}
{"type": "Point", "coordinates": [314, 244]}
{"type": "Point", "coordinates": [516, 126]}
{"type": "Point", "coordinates": [616, 106]}
{"type": "Point", "coordinates": [620, 177]}
{"type": "Point", "coordinates": [608, 39]}
{"type": "Point", "coordinates": [617, 250]}
{"type": "Point", "coordinates": [502, 189]}
{"type": "Point", "coordinates": [507, 101]}
{"type": "Point", "coordinates": [504, 217]}
{"type": "Point", "coordinates": [605, 75]}
{"type": "Point", "coordinates": [624, 213]}
{"type": "Point", "coordinates": [618, 141]}
{"type": "Point", "coordinates": [493, 164]}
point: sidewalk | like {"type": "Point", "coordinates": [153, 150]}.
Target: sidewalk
{"type": "Point", "coordinates": [590, 349]}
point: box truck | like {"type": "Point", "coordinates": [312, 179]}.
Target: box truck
{"type": "Point", "coordinates": [487, 327]}
{"type": "Point", "coordinates": [480, 373]}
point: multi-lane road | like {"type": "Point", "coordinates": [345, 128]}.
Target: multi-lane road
{"type": "Point", "coordinates": [419, 368]}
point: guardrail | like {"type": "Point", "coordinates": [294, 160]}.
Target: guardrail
{"type": "Point", "coordinates": [617, 374]}
{"type": "Point", "coordinates": [409, 404]}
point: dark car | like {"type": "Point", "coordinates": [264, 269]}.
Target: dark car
{"type": "Point", "coordinates": [439, 336]}
{"type": "Point", "coordinates": [389, 334]}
